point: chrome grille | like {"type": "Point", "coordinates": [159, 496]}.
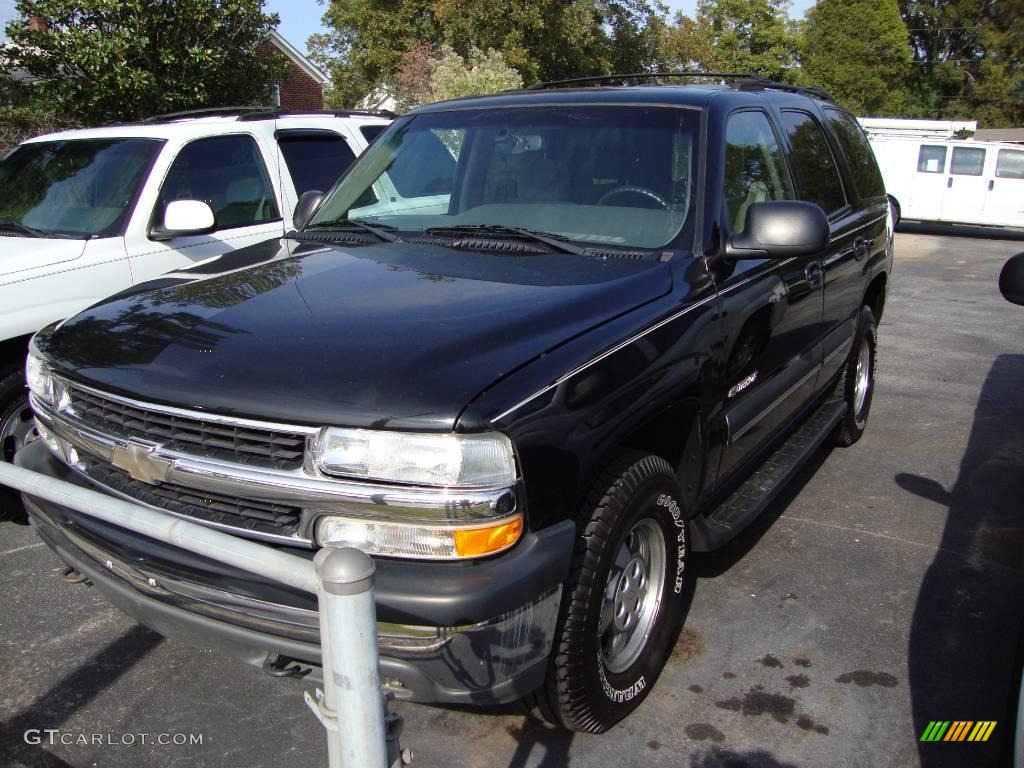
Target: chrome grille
{"type": "Point", "coordinates": [268, 448]}
{"type": "Point", "coordinates": [235, 511]}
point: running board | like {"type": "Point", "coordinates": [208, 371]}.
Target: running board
{"type": "Point", "coordinates": [738, 510]}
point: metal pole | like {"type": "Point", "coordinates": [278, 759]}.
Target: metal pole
{"type": "Point", "coordinates": [248, 555]}
{"type": "Point", "coordinates": [348, 635]}
{"type": "Point", "coordinates": [342, 580]}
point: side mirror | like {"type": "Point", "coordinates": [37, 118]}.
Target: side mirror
{"type": "Point", "coordinates": [778, 229]}
{"type": "Point", "coordinates": [306, 207]}
{"type": "Point", "coordinates": [184, 217]}
{"type": "Point", "coordinates": [1011, 279]}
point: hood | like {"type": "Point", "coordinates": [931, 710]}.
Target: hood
{"type": "Point", "coordinates": [390, 335]}
{"type": "Point", "coordinates": [19, 254]}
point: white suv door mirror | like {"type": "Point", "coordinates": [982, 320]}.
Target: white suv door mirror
{"type": "Point", "coordinates": [184, 217]}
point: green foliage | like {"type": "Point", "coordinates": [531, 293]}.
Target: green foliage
{"type": "Point", "coordinates": [968, 59]}
{"type": "Point", "coordinates": [454, 77]}
{"type": "Point", "coordinates": [859, 51]}
{"type": "Point", "coordinates": [541, 39]}
{"type": "Point", "coordinates": [103, 60]}
{"type": "Point", "coordinates": [733, 36]}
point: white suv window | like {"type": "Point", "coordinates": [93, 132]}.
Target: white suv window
{"type": "Point", "coordinates": [227, 173]}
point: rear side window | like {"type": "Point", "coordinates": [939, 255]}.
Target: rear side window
{"type": "Point", "coordinates": [864, 173]}
{"type": "Point", "coordinates": [1010, 164]}
{"type": "Point", "coordinates": [226, 173]}
{"type": "Point", "coordinates": [371, 132]}
{"type": "Point", "coordinates": [931, 159]}
{"type": "Point", "coordinates": [755, 170]}
{"type": "Point", "coordinates": [816, 171]}
{"type": "Point", "coordinates": [967, 161]}
{"type": "Point", "coordinates": [315, 159]}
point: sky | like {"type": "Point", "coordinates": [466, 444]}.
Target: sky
{"type": "Point", "coordinates": [301, 18]}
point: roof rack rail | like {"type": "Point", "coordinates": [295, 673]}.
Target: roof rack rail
{"type": "Point", "coordinates": [764, 82]}
{"type": "Point", "coordinates": [248, 113]}
{"type": "Point", "coordinates": [744, 81]}
{"type": "Point", "coordinates": [271, 113]}
{"type": "Point", "coordinates": [205, 112]}
{"type": "Point", "coordinates": [637, 76]}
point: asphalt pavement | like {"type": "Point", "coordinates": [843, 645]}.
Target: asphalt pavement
{"type": "Point", "coordinates": [881, 592]}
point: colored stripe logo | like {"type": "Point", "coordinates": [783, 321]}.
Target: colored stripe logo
{"type": "Point", "coordinates": [958, 730]}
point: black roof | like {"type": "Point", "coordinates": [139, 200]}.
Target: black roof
{"type": "Point", "coordinates": [633, 88]}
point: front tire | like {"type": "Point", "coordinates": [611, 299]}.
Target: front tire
{"type": "Point", "coordinates": [16, 429]}
{"type": "Point", "coordinates": [624, 601]}
{"type": "Point", "coordinates": [857, 385]}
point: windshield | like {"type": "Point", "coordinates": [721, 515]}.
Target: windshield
{"type": "Point", "coordinates": [77, 188]}
{"type": "Point", "coordinates": [605, 175]}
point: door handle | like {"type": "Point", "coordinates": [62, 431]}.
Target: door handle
{"type": "Point", "coordinates": [949, 183]}
{"type": "Point", "coordinates": [814, 277]}
{"type": "Point", "coordinates": [861, 246]}
{"type": "Point", "coordinates": [991, 184]}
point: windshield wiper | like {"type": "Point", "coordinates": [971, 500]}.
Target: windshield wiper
{"type": "Point", "coordinates": [550, 239]}
{"type": "Point", "coordinates": [377, 230]}
{"type": "Point", "coordinates": [16, 226]}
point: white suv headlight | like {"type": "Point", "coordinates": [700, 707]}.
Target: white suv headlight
{"type": "Point", "coordinates": [443, 460]}
{"type": "Point", "coordinates": [37, 376]}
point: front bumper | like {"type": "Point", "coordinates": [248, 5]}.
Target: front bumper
{"type": "Point", "coordinates": [449, 632]}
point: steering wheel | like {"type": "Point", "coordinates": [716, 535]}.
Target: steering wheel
{"type": "Point", "coordinates": [629, 190]}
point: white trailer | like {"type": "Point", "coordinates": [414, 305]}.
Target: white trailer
{"type": "Point", "coordinates": [932, 176]}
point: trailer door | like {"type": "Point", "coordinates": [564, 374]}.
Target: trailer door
{"type": "Point", "coordinates": [928, 183]}
{"type": "Point", "coordinates": [964, 198]}
{"type": "Point", "coordinates": [1004, 199]}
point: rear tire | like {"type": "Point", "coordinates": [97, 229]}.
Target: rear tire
{"type": "Point", "coordinates": [857, 384]}
{"type": "Point", "coordinates": [624, 601]}
{"type": "Point", "coordinates": [16, 428]}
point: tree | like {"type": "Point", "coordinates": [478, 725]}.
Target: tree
{"type": "Point", "coordinates": [859, 51]}
{"type": "Point", "coordinates": [968, 59]}
{"type": "Point", "coordinates": [733, 36]}
{"type": "Point", "coordinates": [367, 43]}
{"type": "Point", "coordinates": [488, 72]}
{"type": "Point", "coordinates": [95, 61]}
{"type": "Point", "coordinates": [541, 39]}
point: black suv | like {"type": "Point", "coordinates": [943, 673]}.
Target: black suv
{"type": "Point", "coordinates": [529, 353]}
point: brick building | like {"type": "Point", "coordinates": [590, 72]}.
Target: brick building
{"type": "Point", "coordinates": [302, 85]}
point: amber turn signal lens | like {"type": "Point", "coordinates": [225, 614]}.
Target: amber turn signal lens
{"type": "Point", "coordinates": [474, 542]}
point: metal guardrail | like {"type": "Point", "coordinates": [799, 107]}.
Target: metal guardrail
{"type": "Point", "coordinates": [342, 580]}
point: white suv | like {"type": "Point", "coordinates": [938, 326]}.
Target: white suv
{"type": "Point", "coordinates": [87, 213]}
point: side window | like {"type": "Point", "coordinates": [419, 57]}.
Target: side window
{"type": "Point", "coordinates": [755, 170]}
{"type": "Point", "coordinates": [864, 173]}
{"type": "Point", "coordinates": [931, 159]}
{"type": "Point", "coordinates": [371, 132]}
{"type": "Point", "coordinates": [816, 171]}
{"type": "Point", "coordinates": [1010, 164]}
{"type": "Point", "coordinates": [967, 161]}
{"type": "Point", "coordinates": [226, 173]}
{"type": "Point", "coordinates": [315, 159]}
{"type": "Point", "coordinates": [428, 166]}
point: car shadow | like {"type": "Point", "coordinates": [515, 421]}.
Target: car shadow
{"type": "Point", "coordinates": [965, 632]}
{"type": "Point", "coordinates": [960, 230]}
{"type": "Point", "coordinates": [718, 757]}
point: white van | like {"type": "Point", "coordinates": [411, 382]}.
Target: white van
{"type": "Point", "coordinates": [953, 180]}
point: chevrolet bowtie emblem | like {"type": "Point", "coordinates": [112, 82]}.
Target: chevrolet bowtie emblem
{"type": "Point", "coordinates": [139, 462]}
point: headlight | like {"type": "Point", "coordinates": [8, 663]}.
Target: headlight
{"type": "Point", "coordinates": [448, 460]}
{"type": "Point", "coordinates": [37, 376]}
{"type": "Point", "coordinates": [427, 542]}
